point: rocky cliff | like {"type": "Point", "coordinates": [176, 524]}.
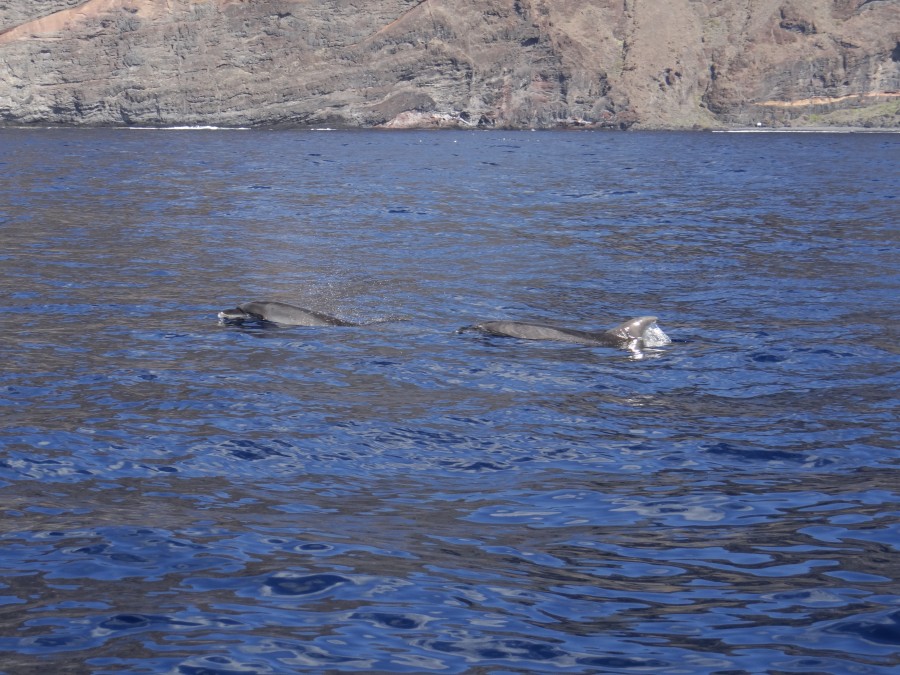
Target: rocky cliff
{"type": "Point", "coordinates": [507, 63]}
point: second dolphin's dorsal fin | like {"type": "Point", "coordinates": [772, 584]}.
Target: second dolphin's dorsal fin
{"type": "Point", "coordinates": [639, 333]}
{"type": "Point", "coordinates": [633, 329]}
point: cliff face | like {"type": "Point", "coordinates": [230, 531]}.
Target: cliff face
{"type": "Point", "coordinates": [535, 63]}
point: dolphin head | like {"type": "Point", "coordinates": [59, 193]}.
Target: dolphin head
{"type": "Point", "coordinates": [236, 314]}
{"type": "Point", "coordinates": [633, 329]}
{"type": "Point", "coordinates": [640, 332]}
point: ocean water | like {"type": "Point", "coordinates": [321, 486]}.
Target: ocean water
{"type": "Point", "coordinates": [182, 496]}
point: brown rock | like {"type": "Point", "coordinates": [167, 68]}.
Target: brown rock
{"type": "Point", "coordinates": [436, 63]}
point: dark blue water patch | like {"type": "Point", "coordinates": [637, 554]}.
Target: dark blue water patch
{"type": "Point", "coordinates": [79, 631]}
{"type": "Point", "coordinates": [390, 620]}
{"type": "Point", "coordinates": [622, 663]}
{"type": "Point", "coordinates": [752, 454]}
{"type": "Point", "coordinates": [253, 450]}
{"type": "Point", "coordinates": [883, 630]}
{"type": "Point", "coordinates": [304, 585]}
{"type": "Point", "coordinates": [214, 665]}
{"type": "Point", "coordinates": [767, 357]}
{"type": "Point", "coordinates": [132, 622]}
{"type": "Point", "coordinates": [314, 548]}
{"type": "Point", "coordinates": [119, 554]}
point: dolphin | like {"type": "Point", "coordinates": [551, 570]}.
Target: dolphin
{"type": "Point", "coordinates": [633, 334]}
{"type": "Point", "coordinates": [280, 313]}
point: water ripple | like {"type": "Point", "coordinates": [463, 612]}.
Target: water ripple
{"type": "Point", "coordinates": [181, 496]}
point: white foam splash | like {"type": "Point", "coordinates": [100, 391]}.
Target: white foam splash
{"type": "Point", "coordinates": [655, 337]}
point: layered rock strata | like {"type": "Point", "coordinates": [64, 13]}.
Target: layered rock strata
{"type": "Point", "coordinates": [470, 63]}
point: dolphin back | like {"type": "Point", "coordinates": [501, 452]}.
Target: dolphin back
{"type": "Point", "coordinates": [288, 315]}
{"type": "Point", "coordinates": [531, 331]}
{"type": "Point", "coordinates": [633, 334]}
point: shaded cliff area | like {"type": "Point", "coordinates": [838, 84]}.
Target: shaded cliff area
{"type": "Point", "coordinates": [415, 63]}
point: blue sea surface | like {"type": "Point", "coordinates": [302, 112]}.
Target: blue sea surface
{"type": "Point", "coordinates": [180, 495]}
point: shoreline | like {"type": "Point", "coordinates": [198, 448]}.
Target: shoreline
{"type": "Point", "coordinates": [450, 128]}
{"type": "Point", "coordinates": [809, 130]}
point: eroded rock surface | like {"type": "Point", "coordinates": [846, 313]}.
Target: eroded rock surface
{"type": "Point", "coordinates": [507, 63]}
